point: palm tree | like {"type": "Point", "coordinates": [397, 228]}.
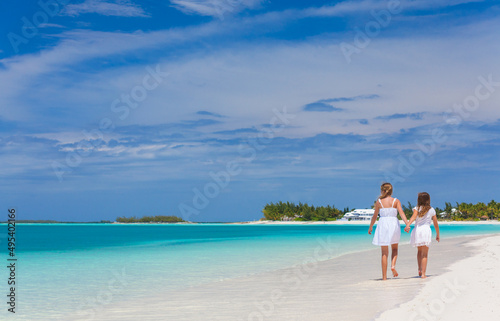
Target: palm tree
{"type": "Point", "coordinates": [408, 209]}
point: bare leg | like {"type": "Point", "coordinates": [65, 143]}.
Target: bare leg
{"type": "Point", "coordinates": [394, 259]}
{"type": "Point", "coordinates": [425, 251]}
{"type": "Point", "coordinates": [385, 254]}
{"type": "Point", "coordinates": [419, 260]}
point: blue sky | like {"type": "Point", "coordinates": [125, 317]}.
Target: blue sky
{"type": "Point", "coordinates": [209, 109]}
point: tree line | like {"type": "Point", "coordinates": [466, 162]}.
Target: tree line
{"type": "Point", "coordinates": [464, 211]}
{"type": "Point", "coordinates": [150, 219]}
{"type": "Point", "coordinates": [469, 211]}
{"type": "Point", "coordinates": [290, 211]}
{"type": "Point", "coordinates": [301, 212]}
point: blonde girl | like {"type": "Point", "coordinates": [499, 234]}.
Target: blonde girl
{"type": "Point", "coordinates": [388, 229]}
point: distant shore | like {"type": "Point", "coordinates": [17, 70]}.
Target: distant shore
{"type": "Point", "coordinates": [339, 222]}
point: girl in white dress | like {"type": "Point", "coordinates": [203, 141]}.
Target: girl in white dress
{"type": "Point", "coordinates": [388, 229]}
{"type": "Point", "coordinates": [421, 235]}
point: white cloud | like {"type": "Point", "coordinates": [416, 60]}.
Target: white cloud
{"type": "Point", "coordinates": [214, 8]}
{"type": "Point", "coordinates": [119, 8]}
{"type": "Point", "coordinates": [18, 73]}
{"type": "Point", "coordinates": [246, 81]}
{"type": "Point", "coordinates": [355, 6]}
{"type": "Point", "coordinates": [50, 25]}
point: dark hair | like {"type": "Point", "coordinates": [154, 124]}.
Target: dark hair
{"type": "Point", "coordinates": [423, 203]}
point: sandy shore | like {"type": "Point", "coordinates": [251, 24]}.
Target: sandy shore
{"type": "Point", "coordinates": [469, 291]}
{"type": "Point", "coordinates": [344, 288]}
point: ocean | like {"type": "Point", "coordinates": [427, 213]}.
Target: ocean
{"type": "Point", "coordinates": [76, 269]}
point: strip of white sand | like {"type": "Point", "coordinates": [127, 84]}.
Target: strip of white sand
{"type": "Point", "coordinates": [340, 222]}
{"type": "Point", "coordinates": [469, 291]}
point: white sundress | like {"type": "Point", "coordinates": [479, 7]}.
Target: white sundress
{"type": "Point", "coordinates": [388, 230]}
{"type": "Point", "coordinates": [422, 234]}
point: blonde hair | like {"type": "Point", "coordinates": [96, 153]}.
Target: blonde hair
{"type": "Point", "coordinates": [385, 190]}
{"type": "Point", "coordinates": [423, 203]}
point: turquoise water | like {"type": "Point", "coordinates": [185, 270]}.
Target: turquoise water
{"type": "Point", "coordinates": [76, 269]}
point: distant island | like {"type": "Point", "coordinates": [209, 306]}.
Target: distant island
{"type": "Point", "coordinates": [59, 222]}
{"type": "Point", "coordinates": [290, 211]}
{"type": "Point", "coordinates": [150, 219]}
{"type": "Point", "coordinates": [133, 219]}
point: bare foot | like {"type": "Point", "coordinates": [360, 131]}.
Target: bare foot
{"type": "Point", "coordinates": [394, 272]}
{"type": "Point", "coordinates": [419, 273]}
{"type": "Point", "coordinates": [424, 276]}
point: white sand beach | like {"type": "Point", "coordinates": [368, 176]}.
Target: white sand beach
{"type": "Point", "coordinates": [469, 291]}
{"type": "Point", "coordinates": [463, 284]}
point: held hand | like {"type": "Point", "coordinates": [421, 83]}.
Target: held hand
{"type": "Point", "coordinates": [370, 230]}
{"type": "Point", "coordinates": [438, 238]}
{"type": "Point", "coordinates": [407, 228]}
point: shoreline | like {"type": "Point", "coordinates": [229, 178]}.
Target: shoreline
{"type": "Point", "coordinates": [339, 222]}
{"type": "Point", "coordinates": [316, 290]}
{"type": "Point", "coordinates": [468, 290]}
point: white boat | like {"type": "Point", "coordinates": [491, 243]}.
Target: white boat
{"type": "Point", "coordinates": [359, 215]}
